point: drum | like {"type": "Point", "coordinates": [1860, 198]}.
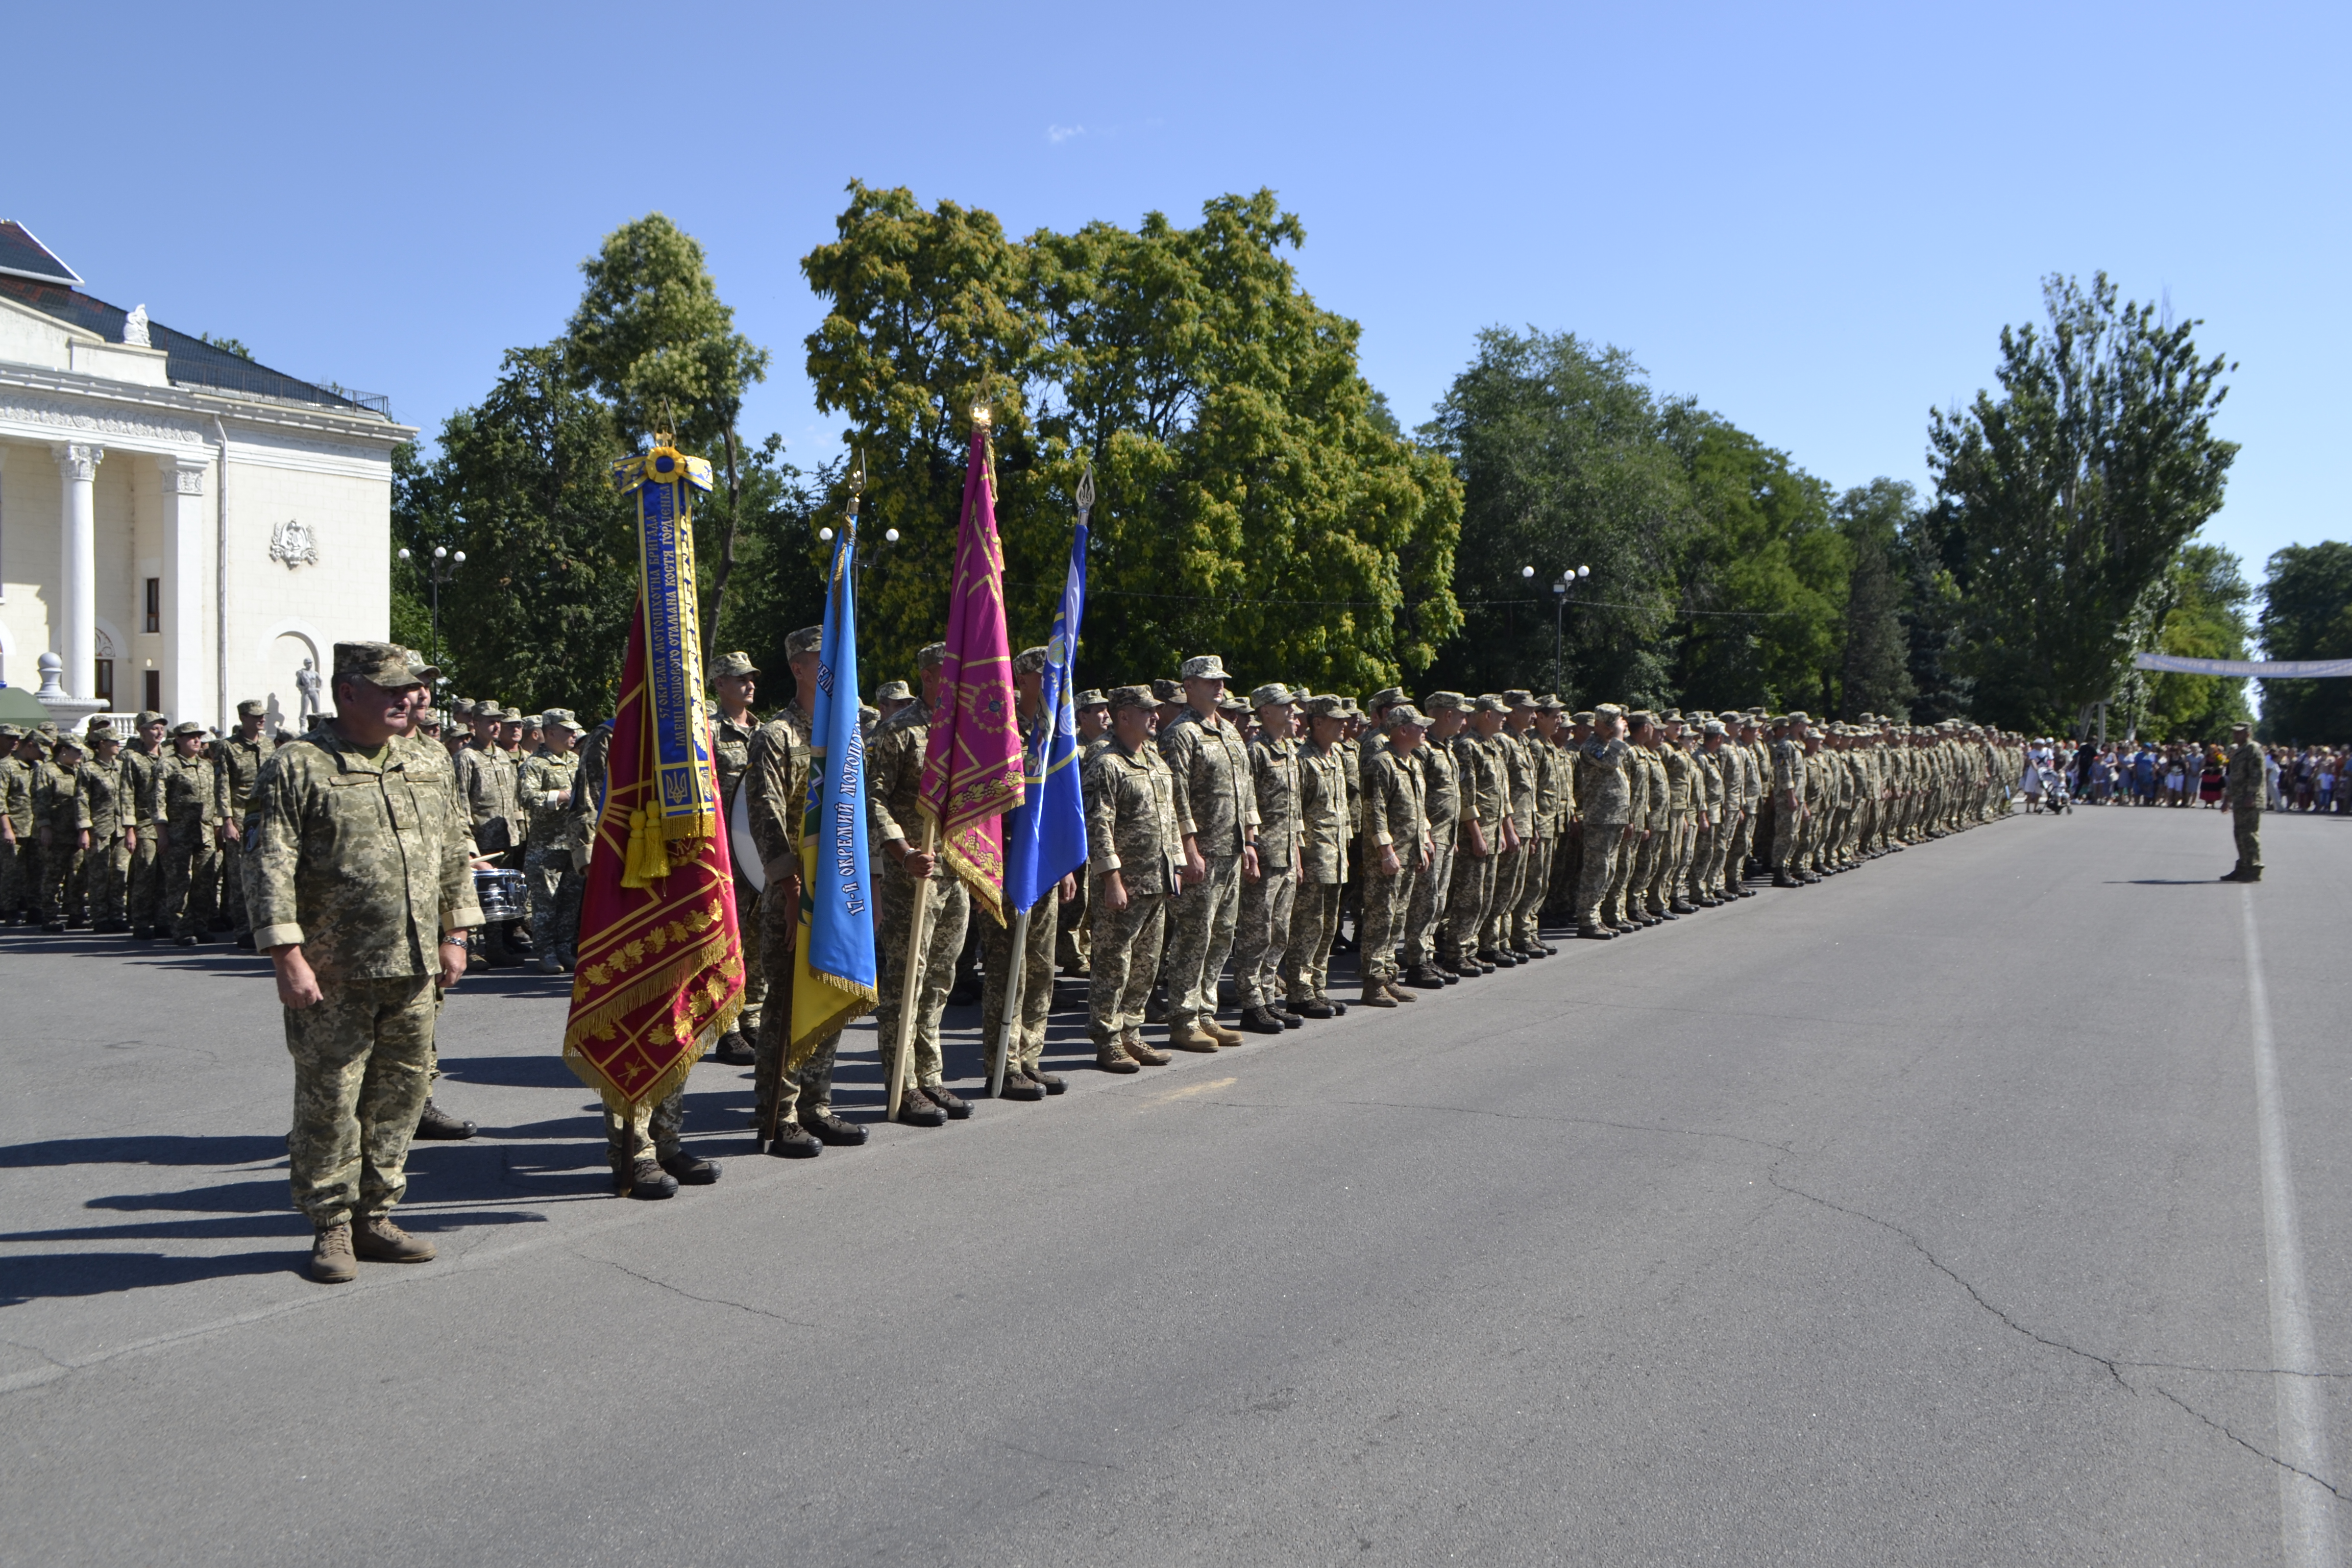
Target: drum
{"type": "Point", "coordinates": [501, 895]}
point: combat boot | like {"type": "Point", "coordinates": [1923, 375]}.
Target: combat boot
{"type": "Point", "coordinates": [1426, 977]}
{"type": "Point", "coordinates": [331, 1255]}
{"type": "Point", "coordinates": [641, 1177]}
{"type": "Point", "coordinates": [438, 1125]}
{"type": "Point", "coordinates": [1219, 1033]}
{"type": "Point", "coordinates": [832, 1129]}
{"type": "Point", "coordinates": [916, 1110]}
{"type": "Point", "coordinates": [1130, 1040]}
{"type": "Point", "coordinates": [1462, 968]}
{"type": "Point", "coordinates": [1260, 1021]}
{"type": "Point", "coordinates": [794, 1141]}
{"type": "Point", "coordinates": [692, 1170]}
{"type": "Point", "coordinates": [943, 1097]}
{"type": "Point", "coordinates": [1376, 995]}
{"type": "Point", "coordinates": [1188, 1037]}
{"type": "Point", "coordinates": [1596, 933]}
{"type": "Point", "coordinates": [1398, 993]}
{"type": "Point", "coordinates": [1494, 958]}
{"type": "Point", "coordinates": [1051, 1082]}
{"type": "Point", "coordinates": [1782, 879]}
{"type": "Point", "coordinates": [1288, 1019]}
{"type": "Point", "coordinates": [1018, 1085]}
{"type": "Point", "coordinates": [734, 1050]}
{"type": "Point", "coordinates": [1314, 1007]}
{"type": "Point", "coordinates": [1682, 906]}
{"type": "Point", "coordinates": [378, 1240]}
{"type": "Point", "coordinates": [1110, 1056]}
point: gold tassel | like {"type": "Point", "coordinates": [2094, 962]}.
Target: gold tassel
{"type": "Point", "coordinates": [648, 856]}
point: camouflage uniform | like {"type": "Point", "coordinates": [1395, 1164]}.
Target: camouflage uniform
{"type": "Point", "coordinates": [235, 767]}
{"type": "Point", "coordinates": [18, 858]}
{"type": "Point", "coordinates": [1788, 772]}
{"type": "Point", "coordinates": [1511, 865]}
{"type": "Point", "coordinates": [1132, 829]}
{"type": "Point", "coordinates": [1604, 795]}
{"type": "Point", "coordinates": [776, 777]}
{"type": "Point", "coordinates": [142, 807]}
{"type": "Point", "coordinates": [105, 869]}
{"type": "Point", "coordinates": [1323, 842]}
{"type": "Point", "coordinates": [191, 864]}
{"type": "Point", "coordinates": [1395, 818]}
{"type": "Point", "coordinates": [1441, 799]}
{"type": "Point", "coordinates": [545, 787]}
{"type": "Point", "coordinates": [355, 860]}
{"type": "Point", "coordinates": [2242, 790]}
{"type": "Point", "coordinates": [1479, 772]}
{"type": "Point", "coordinates": [732, 752]}
{"type": "Point", "coordinates": [894, 764]}
{"type": "Point", "coordinates": [60, 816]}
{"type": "Point", "coordinates": [1262, 936]}
{"type": "Point", "coordinates": [1547, 766]}
{"type": "Point", "coordinates": [1216, 808]}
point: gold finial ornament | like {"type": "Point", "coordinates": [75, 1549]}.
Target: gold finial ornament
{"type": "Point", "coordinates": [980, 415]}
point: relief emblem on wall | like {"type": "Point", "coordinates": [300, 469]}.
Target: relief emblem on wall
{"type": "Point", "coordinates": [293, 543]}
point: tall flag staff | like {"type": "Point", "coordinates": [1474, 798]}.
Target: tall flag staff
{"type": "Point", "coordinates": [659, 975]}
{"type": "Point", "coordinates": [972, 772]}
{"type": "Point", "coordinates": [1045, 838]}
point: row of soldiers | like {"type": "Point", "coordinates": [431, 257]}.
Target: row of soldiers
{"type": "Point", "coordinates": [1255, 831]}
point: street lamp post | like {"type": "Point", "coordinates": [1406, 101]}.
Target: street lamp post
{"type": "Point", "coordinates": [444, 567]}
{"type": "Point", "coordinates": [1567, 579]}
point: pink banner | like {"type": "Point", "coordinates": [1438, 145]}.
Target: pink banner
{"type": "Point", "coordinates": [972, 772]}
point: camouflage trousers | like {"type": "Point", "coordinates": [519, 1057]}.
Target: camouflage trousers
{"type": "Point", "coordinates": [1502, 905]}
{"type": "Point", "coordinates": [362, 1059]}
{"type": "Point", "coordinates": [14, 863]}
{"type": "Point", "coordinates": [145, 894]}
{"type": "Point", "coordinates": [545, 867]}
{"type": "Point", "coordinates": [1660, 890]}
{"type": "Point", "coordinates": [1262, 935]}
{"type": "Point", "coordinates": [1199, 936]}
{"type": "Point", "coordinates": [1526, 928]}
{"type": "Point", "coordinates": [2246, 828]}
{"type": "Point", "coordinates": [1074, 943]}
{"type": "Point", "coordinates": [1705, 859]}
{"type": "Point", "coordinates": [1430, 891]}
{"type": "Point", "coordinates": [60, 891]}
{"type": "Point", "coordinates": [1028, 1046]}
{"type": "Point", "coordinates": [1314, 921]}
{"type": "Point", "coordinates": [950, 909]}
{"type": "Point", "coordinates": [1126, 962]}
{"type": "Point", "coordinates": [1385, 902]}
{"type": "Point", "coordinates": [655, 1128]}
{"type": "Point", "coordinates": [1596, 875]}
{"type": "Point", "coordinates": [191, 885]}
{"type": "Point", "coordinates": [755, 974]}
{"type": "Point", "coordinates": [106, 875]}
{"type": "Point", "coordinates": [232, 886]}
{"type": "Point", "coordinates": [1466, 903]}
{"type": "Point", "coordinates": [1784, 837]}
{"type": "Point", "coordinates": [1634, 863]}
{"type": "Point", "coordinates": [807, 1089]}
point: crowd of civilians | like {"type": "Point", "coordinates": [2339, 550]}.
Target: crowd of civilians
{"type": "Point", "coordinates": [2143, 772]}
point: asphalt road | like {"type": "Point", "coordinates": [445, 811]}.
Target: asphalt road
{"type": "Point", "coordinates": [1987, 1205]}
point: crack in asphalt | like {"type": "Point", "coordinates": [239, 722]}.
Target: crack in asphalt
{"type": "Point", "coordinates": [20, 1344]}
{"type": "Point", "coordinates": [708, 1301]}
{"type": "Point", "coordinates": [2113, 1367]}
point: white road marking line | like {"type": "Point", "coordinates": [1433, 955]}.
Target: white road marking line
{"type": "Point", "coordinates": [2306, 1509]}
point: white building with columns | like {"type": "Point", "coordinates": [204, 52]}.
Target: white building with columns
{"type": "Point", "coordinates": [182, 526]}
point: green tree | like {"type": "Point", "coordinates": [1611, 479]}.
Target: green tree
{"type": "Point", "coordinates": [1762, 574]}
{"type": "Point", "coordinates": [539, 613]}
{"type": "Point", "coordinates": [1250, 499]}
{"type": "Point", "coordinates": [1876, 676]}
{"type": "Point", "coordinates": [2308, 613]}
{"type": "Point", "coordinates": [653, 337]}
{"type": "Point", "coordinates": [2061, 502]}
{"type": "Point", "coordinates": [2199, 611]}
{"type": "Point", "coordinates": [1563, 454]}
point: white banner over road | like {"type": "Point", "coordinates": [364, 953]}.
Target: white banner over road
{"type": "Point", "coordinates": [2270, 668]}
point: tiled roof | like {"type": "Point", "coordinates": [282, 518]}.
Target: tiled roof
{"type": "Point", "coordinates": [22, 256]}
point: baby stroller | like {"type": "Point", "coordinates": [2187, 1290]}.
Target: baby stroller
{"type": "Point", "coordinates": [2055, 797]}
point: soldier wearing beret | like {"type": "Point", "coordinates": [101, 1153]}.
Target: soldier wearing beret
{"type": "Point", "coordinates": [361, 897]}
{"type": "Point", "coordinates": [1216, 808]}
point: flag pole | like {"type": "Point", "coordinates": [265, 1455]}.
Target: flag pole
{"type": "Point", "coordinates": [1003, 1048]}
{"type": "Point", "coordinates": [918, 932]}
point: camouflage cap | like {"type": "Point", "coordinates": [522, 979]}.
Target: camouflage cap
{"type": "Point", "coordinates": [894, 691]}
{"type": "Point", "coordinates": [98, 722]}
{"type": "Point", "coordinates": [47, 727]}
{"type": "Point", "coordinates": [1404, 714]}
{"type": "Point", "coordinates": [1489, 703]}
{"type": "Point", "coordinates": [1518, 697]}
{"type": "Point", "coordinates": [1132, 697]}
{"type": "Point", "coordinates": [563, 716]}
{"type": "Point", "coordinates": [1325, 707]}
{"type": "Point", "coordinates": [486, 709]}
{"type": "Point", "coordinates": [69, 741]}
{"type": "Point", "coordinates": [252, 708]}
{"type": "Point", "coordinates": [1713, 727]}
{"type": "Point", "coordinates": [1232, 705]}
{"type": "Point", "coordinates": [1388, 697]}
{"type": "Point", "coordinates": [868, 713]}
{"type": "Point", "coordinates": [10, 732]}
{"type": "Point", "coordinates": [737, 665]}
{"type": "Point", "coordinates": [1029, 661]}
{"type": "Point", "coordinates": [1273, 694]}
{"type": "Point", "coordinates": [1609, 710]}
{"type": "Point", "coordinates": [1672, 715]}
{"type": "Point", "coordinates": [930, 656]}
{"type": "Point", "coordinates": [1798, 716]}
{"type": "Point", "coordinates": [1643, 716]}
{"type": "Point", "coordinates": [1205, 667]}
{"type": "Point", "coordinates": [1091, 698]}
{"type": "Point", "coordinates": [384, 664]}
{"type": "Point", "coordinates": [149, 716]}
{"type": "Point", "coordinates": [1548, 703]}
{"type": "Point", "coordinates": [1167, 690]}
{"type": "Point", "coordinates": [186, 727]}
{"type": "Point", "coordinates": [1582, 716]}
{"type": "Point", "coordinates": [809, 638]}
{"type": "Point", "coordinates": [1445, 701]}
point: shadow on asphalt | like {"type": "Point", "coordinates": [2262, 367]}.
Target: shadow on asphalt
{"type": "Point", "coordinates": [154, 1149]}
{"type": "Point", "coordinates": [104, 1273]}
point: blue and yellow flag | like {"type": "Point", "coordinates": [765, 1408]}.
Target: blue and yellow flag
{"type": "Point", "coordinates": [1045, 838]}
{"type": "Point", "coordinates": [834, 978]}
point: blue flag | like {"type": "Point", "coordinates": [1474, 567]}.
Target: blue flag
{"type": "Point", "coordinates": [833, 980]}
{"type": "Point", "coordinates": [1046, 838]}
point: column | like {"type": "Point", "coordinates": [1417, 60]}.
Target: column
{"type": "Point", "coordinates": [187, 686]}
{"type": "Point", "coordinates": [76, 632]}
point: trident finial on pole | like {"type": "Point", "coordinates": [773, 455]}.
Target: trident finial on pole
{"type": "Point", "coordinates": [856, 482]}
{"type": "Point", "coordinates": [1086, 492]}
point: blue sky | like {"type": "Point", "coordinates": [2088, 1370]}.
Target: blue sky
{"type": "Point", "coordinates": [1814, 219]}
